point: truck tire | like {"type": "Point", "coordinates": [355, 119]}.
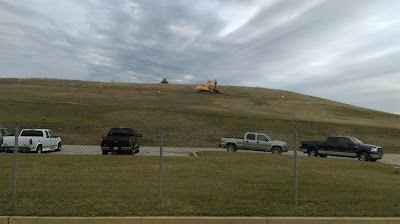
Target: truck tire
{"type": "Point", "coordinates": [276, 150]}
{"type": "Point", "coordinates": [231, 148]}
{"type": "Point", "coordinates": [39, 149]}
{"type": "Point", "coordinates": [363, 156]}
{"type": "Point", "coordinates": [313, 152]}
{"type": "Point", "coordinates": [130, 152]}
{"type": "Point", "coordinates": [59, 146]}
{"type": "Point", "coordinates": [104, 152]}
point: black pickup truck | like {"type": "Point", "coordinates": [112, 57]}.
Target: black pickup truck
{"type": "Point", "coordinates": [121, 140]}
{"type": "Point", "coordinates": [345, 146]}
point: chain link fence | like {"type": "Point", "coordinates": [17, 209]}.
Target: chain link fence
{"type": "Point", "coordinates": [181, 170]}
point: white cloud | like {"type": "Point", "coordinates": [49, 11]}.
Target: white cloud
{"type": "Point", "coordinates": [341, 50]}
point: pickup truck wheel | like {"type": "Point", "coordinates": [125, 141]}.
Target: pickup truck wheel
{"type": "Point", "coordinates": [104, 152]}
{"type": "Point", "coordinates": [59, 146]}
{"type": "Point", "coordinates": [313, 152]}
{"type": "Point", "coordinates": [231, 148]}
{"type": "Point", "coordinates": [39, 149]}
{"type": "Point", "coordinates": [363, 156]}
{"type": "Point", "coordinates": [276, 151]}
{"type": "Point", "coordinates": [130, 152]}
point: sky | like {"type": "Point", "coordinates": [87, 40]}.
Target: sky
{"type": "Point", "coordinates": [346, 51]}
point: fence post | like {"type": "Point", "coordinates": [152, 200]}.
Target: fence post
{"type": "Point", "coordinates": [15, 154]}
{"type": "Point", "coordinates": [295, 166]}
{"type": "Point", "coordinates": [160, 170]}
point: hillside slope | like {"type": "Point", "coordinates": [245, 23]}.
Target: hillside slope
{"type": "Point", "coordinates": [78, 104]}
{"type": "Point", "coordinates": [28, 99]}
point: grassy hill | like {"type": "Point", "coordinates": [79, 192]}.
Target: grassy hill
{"type": "Point", "coordinates": [80, 106]}
{"type": "Point", "coordinates": [212, 184]}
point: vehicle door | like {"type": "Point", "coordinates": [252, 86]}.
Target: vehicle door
{"type": "Point", "coordinates": [53, 141]}
{"type": "Point", "coordinates": [250, 142]}
{"type": "Point", "coordinates": [331, 146]}
{"type": "Point", "coordinates": [45, 140]}
{"type": "Point", "coordinates": [347, 147]}
{"type": "Point", "coordinates": [263, 143]}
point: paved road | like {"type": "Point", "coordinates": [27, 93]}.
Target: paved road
{"type": "Point", "coordinates": [144, 151]}
{"type": "Point", "coordinates": [188, 151]}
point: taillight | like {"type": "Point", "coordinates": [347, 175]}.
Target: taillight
{"type": "Point", "coordinates": [101, 141]}
{"type": "Point", "coordinates": [30, 141]}
{"type": "Point", "coordinates": [130, 141]}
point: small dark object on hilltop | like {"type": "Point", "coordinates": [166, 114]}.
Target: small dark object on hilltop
{"type": "Point", "coordinates": [164, 81]}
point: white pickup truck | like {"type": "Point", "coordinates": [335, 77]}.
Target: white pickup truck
{"type": "Point", "coordinates": [33, 140]}
{"type": "Point", "coordinates": [3, 132]}
{"type": "Point", "coordinates": [254, 141]}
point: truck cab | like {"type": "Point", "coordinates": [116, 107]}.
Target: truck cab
{"type": "Point", "coordinates": [256, 141]}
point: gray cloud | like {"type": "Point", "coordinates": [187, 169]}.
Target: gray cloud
{"type": "Point", "coordinates": [340, 50]}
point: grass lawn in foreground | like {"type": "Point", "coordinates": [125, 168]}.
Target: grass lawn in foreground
{"type": "Point", "coordinates": [213, 184]}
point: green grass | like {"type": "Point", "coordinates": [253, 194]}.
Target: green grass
{"type": "Point", "coordinates": [211, 184]}
{"type": "Point", "coordinates": [81, 112]}
{"type": "Point", "coordinates": [215, 184]}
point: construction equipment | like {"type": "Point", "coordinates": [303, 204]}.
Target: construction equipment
{"type": "Point", "coordinates": [206, 87]}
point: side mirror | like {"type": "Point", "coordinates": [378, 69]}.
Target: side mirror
{"type": "Point", "coordinates": [139, 135]}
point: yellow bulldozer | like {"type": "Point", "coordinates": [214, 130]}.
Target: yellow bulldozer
{"type": "Point", "coordinates": [207, 87]}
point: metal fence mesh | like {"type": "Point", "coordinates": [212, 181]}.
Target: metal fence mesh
{"type": "Point", "coordinates": [181, 170]}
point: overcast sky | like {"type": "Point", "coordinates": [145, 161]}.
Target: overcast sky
{"type": "Point", "coordinates": [347, 51]}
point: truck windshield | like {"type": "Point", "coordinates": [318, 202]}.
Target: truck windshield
{"type": "Point", "coordinates": [263, 138]}
{"type": "Point", "coordinates": [121, 132]}
{"type": "Point", "coordinates": [355, 140]}
{"type": "Point", "coordinates": [51, 134]}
